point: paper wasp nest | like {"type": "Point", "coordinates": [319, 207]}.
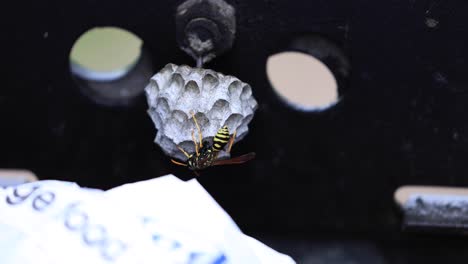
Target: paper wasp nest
{"type": "Point", "coordinates": [216, 100]}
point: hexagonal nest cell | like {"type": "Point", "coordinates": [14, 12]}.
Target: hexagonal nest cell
{"type": "Point", "coordinates": [177, 92]}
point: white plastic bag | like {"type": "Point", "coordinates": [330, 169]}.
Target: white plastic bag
{"type": "Point", "coordinates": [164, 220]}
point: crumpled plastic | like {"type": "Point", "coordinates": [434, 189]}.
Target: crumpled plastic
{"type": "Point", "coordinates": [163, 220]}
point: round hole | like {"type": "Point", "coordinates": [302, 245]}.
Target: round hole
{"type": "Point", "coordinates": [105, 53]}
{"type": "Point", "coordinates": [311, 74]}
{"type": "Point", "coordinates": [302, 80]}
{"type": "Point", "coordinates": [110, 65]}
{"type": "Point", "coordinates": [13, 177]}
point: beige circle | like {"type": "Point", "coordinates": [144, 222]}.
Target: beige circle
{"type": "Point", "coordinates": [12, 177]}
{"type": "Point", "coordinates": [302, 80]}
{"type": "Point", "coordinates": [105, 50]}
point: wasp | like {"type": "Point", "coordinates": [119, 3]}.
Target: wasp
{"type": "Point", "coordinates": [206, 153]}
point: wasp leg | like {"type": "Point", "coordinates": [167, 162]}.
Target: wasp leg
{"type": "Point", "coordinates": [178, 163]}
{"type": "Point", "coordinates": [196, 173]}
{"type": "Point", "coordinates": [196, 144]}
{"type": "Point", "coordinates": [198, 128]}
{"type": "Point", "coordinates": [183, 151]}
{"type": "Point", "coordinates": [232, 141]}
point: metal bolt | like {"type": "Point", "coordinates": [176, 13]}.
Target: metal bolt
{"type": "Point", "coordinates": [205, 28]}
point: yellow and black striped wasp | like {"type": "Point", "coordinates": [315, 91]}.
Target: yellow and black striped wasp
{"type": "Point", "coordinates": [206, 154]}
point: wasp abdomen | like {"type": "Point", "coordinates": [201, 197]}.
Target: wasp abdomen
{"type": "Point", "coordinates": [221, 138]}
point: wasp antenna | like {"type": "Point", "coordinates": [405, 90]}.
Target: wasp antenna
{"type": "Point", "coordinates": [195, 142]}
{"type": "Point", "coordinates": [200, 137]}
{"type": "Point", "coordinates": [179, 163]}
{"type": "Point", "coordinates": [183, 151]}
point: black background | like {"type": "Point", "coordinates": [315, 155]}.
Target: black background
{"type": "Point", "coordinates": [326, 176]}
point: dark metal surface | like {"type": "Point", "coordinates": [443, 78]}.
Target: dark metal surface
{"type": "Point", "coordinates": [330, 250]}
{"type": "Point", "coordinates": [120, 92]}
{"type": "Point", "coordinates": [403, 119]}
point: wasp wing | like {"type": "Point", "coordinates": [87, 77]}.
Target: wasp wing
{"type": "Point", "coordinates": [236, 160]}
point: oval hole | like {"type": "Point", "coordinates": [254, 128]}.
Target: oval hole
{"type": "Point", "coordinates": [302, 81]}
{"type": "Point", "coordinates": [110, 65]}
